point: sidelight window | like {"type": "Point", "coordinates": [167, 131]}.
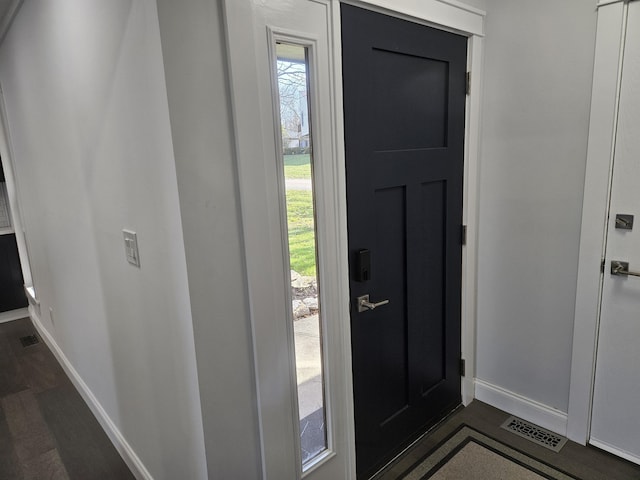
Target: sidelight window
{"type": "Point", "coordinates": [292, 72]}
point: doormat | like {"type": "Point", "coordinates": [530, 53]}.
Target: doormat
{"type": "Point", "coordinates": [469, 455]}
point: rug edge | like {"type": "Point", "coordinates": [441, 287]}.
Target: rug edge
{"type": "Point", "coordinates": [464, 425]}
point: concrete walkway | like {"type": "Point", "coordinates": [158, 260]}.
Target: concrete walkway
{"type": "Point", "coordinates": [310, 401]}
{"type": "Point", "coordinates": [309, 364]}
{"type": "Point", "coordinates": [298, 184]}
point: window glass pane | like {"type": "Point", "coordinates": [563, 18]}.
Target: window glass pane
{"type": "Point", "coordinates": [293, 88]}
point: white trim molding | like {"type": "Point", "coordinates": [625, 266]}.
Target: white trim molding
{"type": "Point", "coordinates": [119, 442]}
{"type": "Point", "coordinates": [600, 151]}
{"type": "Point", "coordinates": [465, 7]}
{"type": "Point", "coordinates": [470, 216]}
{"type": "Point", "coordinates": [523, 407]}
{"type": "Point", "coordinates": [614, 450]}
{"type": "Point", "coordinates": [447, 14]}
{"type": "Point", "coordinates": [12, 315]}
{"type": "Point", "coordinates": [604, 3]}
{"type": "Point", "coordinates": [8, 163]}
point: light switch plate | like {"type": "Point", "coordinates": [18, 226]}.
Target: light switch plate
{"type": "Point", "coordinates": [131, 247]}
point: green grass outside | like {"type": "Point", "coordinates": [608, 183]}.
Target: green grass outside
{"type": "Point", "coordinates": [297, 166]}
{"type": "Point", "coordinates": [302, 245]}
{"type": "Point", "coordinates": [294, 160]}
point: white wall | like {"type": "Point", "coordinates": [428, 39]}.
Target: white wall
{"type": "Point", "coordinates": [87, 108]}
{"type": "Point", "coordinates": [537, 85]}
{"type": "Point", "coordinates": [193, 43]}
{"type": "Point", "coordinates": [99, 141]}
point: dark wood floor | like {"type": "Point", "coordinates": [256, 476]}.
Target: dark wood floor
{"type": "Point", "coordinates": [46, 429]}
{"type": "Point", "coordinates": [584, 463]}
{"type": "Point", "coordinates": [48, 432]}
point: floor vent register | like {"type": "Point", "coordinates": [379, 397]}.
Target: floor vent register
{"type": "Point", "coordinates": [29, 340]}
{"type": "Point", "coordinates": [536, 434]}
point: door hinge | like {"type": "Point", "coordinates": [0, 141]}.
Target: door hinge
{"type": "Point", "coordinates": [463, 234]}
{"type": "Point", "coordinates": [463, 367]}
{"type": "Point", "coordinates": [468, 83]}
{"type": "Point", "coordinates": [603, 265]}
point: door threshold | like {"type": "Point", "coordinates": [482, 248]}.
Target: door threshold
{"type": "Point", "coordinates": [12, 315]}
{"type": "Point", "coordinates": [429, 431]}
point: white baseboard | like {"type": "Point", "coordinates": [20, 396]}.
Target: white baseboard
{"type": "Point", "coordinates": [523, 407]}
{"type": "Point", "coordinates": [14, 315]}
{"type": "Point", "coordinates": [607, 447]}
{"type": "Point", "coordinates": [119, 442]}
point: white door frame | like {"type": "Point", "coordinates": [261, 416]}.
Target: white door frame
{"type": "Point", "coordinates": [7, 158]}
{"type": "Point", "coordinates": [612, 15]}
{"type": "Point", "coordinates": [264, 263]}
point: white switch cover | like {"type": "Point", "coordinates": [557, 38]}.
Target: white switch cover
{"type": "Point", "coordinates": [131, 247]}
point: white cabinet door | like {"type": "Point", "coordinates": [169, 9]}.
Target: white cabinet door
{"type": "Point", "coordinates": [615, 422]}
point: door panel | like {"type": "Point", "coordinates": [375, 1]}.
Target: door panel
{"type": "Point", "coordinates": [404, 101]}
{"type": "Point", "coordinates": [388, 354]}
{"type": "Point", "coordinates": [423, 86]}
{"type": "Point", "coordinates": [615, 425]}
{"type": "Point", "coordinates": [430, 273]}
